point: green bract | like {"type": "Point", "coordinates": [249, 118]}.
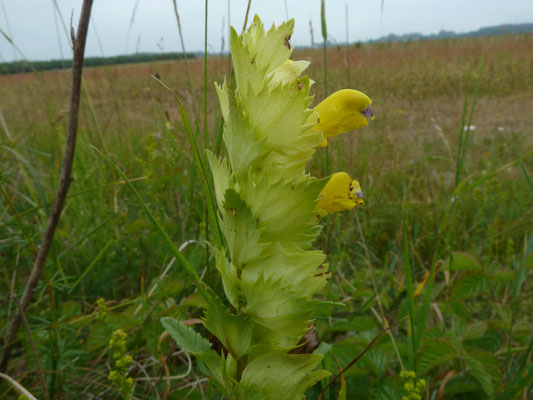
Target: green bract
{"type": "Point", "coordinates": [267, 212]}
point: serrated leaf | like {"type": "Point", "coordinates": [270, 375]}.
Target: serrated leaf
{"type": "Point", "coordinates": [469, 284]}
{"type": "Point", "coordinates": [304, 269]}
{"type": "Point", "coordinates": [240, 230]}
{"type": "Point", "coordinates": [185, 337]}
{"type": "Point", "coordinates": [461, 261]}
{"type": "Point", "coordinates": [491, 341]}
{"type": "Point", "coordinates": [281, 315]}
{"type": "Point", "coordinates": [385, 391]}
{"type": "Point", "coordinates": [230, 280]}
{"type": "Point", "coordinates": [285, 210]}
{"type": "Point", "coordinates": [280, 114]}
{"type": "Point", "coordinates": [435, 352]}
{"type": "Point", "coordinates": [281, 376]}
{"type": "Point", "coordinates": [484, 368]}
{"type": "Point", "coordinates": [464, 384]}
{"type": "Point", "coordinates": [245, 150]}
{"type": "Point", "coordinates": [503, 275]}
{"type": "Point", "coordinates": [234, 331]}
{"type": "Point", "coordinates": [221, 176]}
{"type": "Point", "coordinates": [192, 342]}
{"type": "Point", "coordinates": [377, 360]}
{"type": "Point", "coordinates": [474, 330]}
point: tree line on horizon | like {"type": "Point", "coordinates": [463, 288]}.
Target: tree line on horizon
{"type": "Point", "coordinates": [22, 66]}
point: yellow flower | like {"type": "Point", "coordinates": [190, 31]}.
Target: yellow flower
{"type": "Point", "coordinates": [340, 193]}
{"type": "Point", "coordinates": [343, 111]}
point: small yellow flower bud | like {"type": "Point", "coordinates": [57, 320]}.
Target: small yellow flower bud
{"type": "Point", "coordinates": [344, 111]}
{"type": "Point", "coordinates": [340, 193]}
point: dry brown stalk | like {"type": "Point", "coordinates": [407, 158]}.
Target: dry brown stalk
{"type": "Point", "coordinates": [63, 186]}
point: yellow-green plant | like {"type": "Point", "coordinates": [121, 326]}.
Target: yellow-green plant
{"type": "Point", "coordinates": [414, 389]}
{"type": "Point", "coordinates": [268, 210]}
{"type": "Point", "coordinates": [122, 362]}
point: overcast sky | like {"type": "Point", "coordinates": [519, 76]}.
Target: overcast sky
{"type": "Point", "coordinates": [122, 27]}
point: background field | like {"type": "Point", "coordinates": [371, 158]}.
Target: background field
{"type": "Point", "coordinates": [478, 336]}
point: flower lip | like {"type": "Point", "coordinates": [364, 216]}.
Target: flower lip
{"type": "Point", "coordinates": [367, 112]}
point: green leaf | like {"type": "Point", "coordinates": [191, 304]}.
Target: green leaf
{"type": "Point", "coordinates": [280, 375]}
{"type": "Point", "coordinates": [281, 315]}
{"type": "Point", "coordinates": [474, 331]}
{"type": "Point", "coordinates": [221, 176]}
{"type": "Point", "coordinates": [461, 261]}
{"type": "Point", "coordinates": [230, 280]}
{"type": "Point", "coordinates": [503, 276]}
{"type": "Point", "coordinates": [193, 343]}
{"type": "Point", "coordinates": [435, 352]}
{"type": "Point", "coordinates": [234, 331]}
{"type": "Point", "coordinates": [186, 338]}
{"type": "Point", "coordinates": [461, 384]}
{"type": "Point", "coordinates": [274, 112]}
{"type": "Point", "coordinates": [377, 360]}
{"type": "Point", "coordinates": [484, 368]}
{"type": "Point", "coordinates": [306, 270]}
{"type": "Point", "coordinates": [240, 230]}
{"type": "Point", "coordinates": [385, 391]}
{"type": "Point", "coordinates": [491, 341]}
{"type": "Point", "coordinates": [285, 210]}
{"type": "Point", "coordinates": [469, 284]}
{"type": "Point", "coordinates": [245, 150]}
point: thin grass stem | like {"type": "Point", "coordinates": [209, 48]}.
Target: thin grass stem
{"type": "Point", "coordinates": [175, 251]}
{"type": "Point", "coordinates": [325, 58]}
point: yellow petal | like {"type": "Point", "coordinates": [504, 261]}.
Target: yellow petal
{"type": "Point", "coordinates": [340, 193]}
{"type": "Point", "coordinates": [343, 111]}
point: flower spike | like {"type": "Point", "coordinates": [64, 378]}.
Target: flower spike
{"type": "Point", "coordinates": [267, 205]}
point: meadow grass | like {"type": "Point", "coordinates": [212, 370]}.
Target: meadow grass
{"type": "Point", "coordinates": [437, 206]}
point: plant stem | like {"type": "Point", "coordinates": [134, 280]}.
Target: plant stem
{"type": "Point", "coordinates": [64, 183]}
{"type": "Point", "coordinates": [325, 56]}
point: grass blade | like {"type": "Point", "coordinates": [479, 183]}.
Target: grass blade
{"type": "Point", "coordinates": [175, 251]}
{"type": "Point", "coordinates": [461, 132]}
{"type": "Point", "coordinates": [522, 165]}
{"type": "Point", "coordinates": [325, 56]}
{"type": "Point", "coordinates": [411, 348]}
{"type": "Point", "coordinates": [201, 168]}
{"type": "Point", "coordinates": [90, 266]}
{"type": "Point", "coordinates": [464, 138]}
